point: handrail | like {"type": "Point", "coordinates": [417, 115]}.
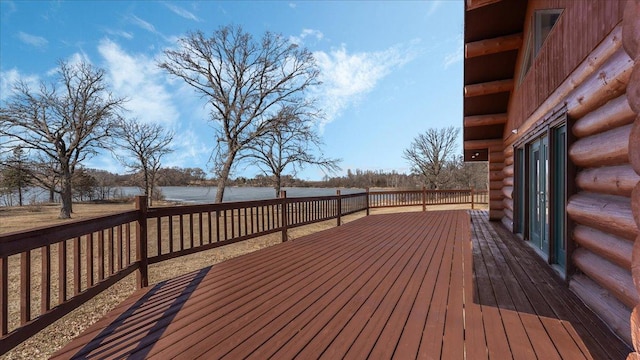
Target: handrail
{"type": "Point", "coordinates": [93, 254]}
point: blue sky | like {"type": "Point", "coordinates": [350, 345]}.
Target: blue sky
{"type": "Point", "coordinates": [390, 69]}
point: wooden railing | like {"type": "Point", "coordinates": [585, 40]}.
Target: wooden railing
{"type": "Point", "coordinates": [80, 259]}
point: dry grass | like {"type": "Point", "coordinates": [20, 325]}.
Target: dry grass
{"type": "Point", "coordinates": [60, 333]}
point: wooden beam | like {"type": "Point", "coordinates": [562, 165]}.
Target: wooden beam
{"type": "Point", "coordinates": [485, 120]}
{"type": "Point", "coordinates": [615, 113]}
{"type": "Point", "coordinates": [474, 4]}
{"type": "Point", "coordinates": [607, 148]}
{"type": "Point", "coordinates": [611, 247]}
{"type": "Point", "coordinates": [492, 46]}
{"type": "Point", "coordinates": [491, 144]}
{"type": "Point", "coordinates": [607, 213]}
{"type": "Point", "coordinates": [631, 30]}
{"type": "Point", "coordinates": [487, 88]}
{"type": "Point", "coordinates": [615, 314]}
{"type": "Point", "coordinates": [612, 180]}
{"type": "Point", "coordinates": [608, 275]}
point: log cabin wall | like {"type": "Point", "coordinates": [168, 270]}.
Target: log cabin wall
{"type": "Point", "coordinates": [588, 82]}
{"type": "Point", "coordinates": [631, 45]}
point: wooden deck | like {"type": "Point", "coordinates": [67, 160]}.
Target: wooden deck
{"type": "Point", "coordinates": [385, 286]}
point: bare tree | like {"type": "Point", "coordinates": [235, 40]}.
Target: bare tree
{"type": "Point", "coordinates": [15, 173]}
{"type": "Point", "coordinates": [145, 144]}
{"type": "Point", "coordinates": [62, 124]}
{"type": "Point", "coordinates": [293, 143]}
{"type": "Point", "coordinates": [245, 81]}
{"type": "Point", "coordinates": [430, 152]}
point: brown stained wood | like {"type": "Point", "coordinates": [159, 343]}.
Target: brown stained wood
{"type": "Point", "coordinates": [611, 247]}
{"type": "Point", "coordinates": [492, 46]}
{"type": "Point", "coordinates": [613, 114]}
{"type": "Point", "coordinates": [508, 171]}
{"type": "Point", "coordinates": [634, 145]}
{"type": "Point", "coordinates": [603, 149]}
{"type": "Point", "coordinates": [608, 82]}
{"type": "Point", "coordinates": [494, 145]}
{"type": "Point", "coordinates": [507, 191]}
{"type": "Point", "coordinates": [62, 271]}
{"type": "Point", "coordinates": [496, 156]}
{"type": "Point", "coordinates": [45, 282]}
{"type": "Point", "coordinates": [485, 120]}
{"type": "Point", "coordinates": [486, 88]}
{"type": "Point", "coordinates": [25, 287]}
{"type": "Point", "coordinates": [4, 295]}
{"type": "Point", "coordinates": [608, 275]}
{"type": "Point", "coordinates": [382, 285]}
{"type": "Point", "coordinates": [635, 327]}
{"type": "Point", "coordinates": [635, 264]}
{"type": "Point", "coordinates": [613, 180]}
{"type": "Point", "coordinates": [607, 213]}
{"type": "Point", "coordinates": [611, 310]}
{"type": "Point", "coordinates": [631, 28]}
{"type": "Point", "coordinates": [633, 356]}
{"type": "Point", "coordinates": [633, 89]}
{"type": "Point", "coordinates": [555, 101]}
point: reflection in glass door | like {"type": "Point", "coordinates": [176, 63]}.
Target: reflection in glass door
{"type": "Point", "coordinates": [559, 145]}
{"type": "Point", "coordinates": [539, 194]}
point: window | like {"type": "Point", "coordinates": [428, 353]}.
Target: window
{"type": "Point", "coordinates": [543, 22]}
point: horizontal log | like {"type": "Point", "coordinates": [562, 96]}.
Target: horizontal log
{"type": "Point", "coordinates": [508, 205]}
{"type": "Point", "coordinates": [614, 313]}
{"type": "Point", "coordinates": [496, 166]}
{"type": "Point", "coordinates": [491, 144]}
{"type": "Point", "coordinates": [508, 160]}
{"type": "Point", "coordinates": [507, 222]}
{"type": "Point", "coordinates": [633, 356]}
{"type": "Point", "coordinates": [508, 192]}
{"type": "Point", "coordinates": [635, 263]}
{"type": "Point", "coordinates": [508, 181]}
{"type": "Point", "coordinates": [495, 194]}
{"type": "Point", "coordinates": [495, 185]}
{"type": "Point", "coordinates": [635, 204]}
{"type": "Point", "coordinates": [608, 275]}
{"type": "Point", "coordinates": [634, 145]}
{"type": "Point", "coordinates": [474, 4]}
{"type": "Point", "coordinates": [607, 148]}
{"type": "Point", "coordinates": [485, 120]}
{"type": "Point", "coordinates": [495, 214]}
{"type": "Point", "coordinates": [487, 88]}
{"type": "Point", "coordinates": [607, 213]}
{"type": "Point", "coordinates": [492, 46]}
{"type": "Point", "coordinates": [611, 247]}
{"type": "Point", "coordinates": [613, 114]}
{"type": "Point", "coordinates": [508, 151]}
{"type": "Point", "coordinates": [631, 31]}
{"type": "Point", "coordinates": [556, 101]}
{"type": "Point", "coordinates": [633, 89]}
{"type": "Point", "coordinates": [496, 204]}
{"type": "Point", "coordinates": [608, 82]}
{"type": "Point", "coordinates": [508, 170]}
{"type": "Point", "coordinates": [613, 180]}
{"type": "Point", "coordinates": [496, 157]}
{"type": "Point", "coordinates": [635, 327]}
{"type": "Point", "coordinates": [496, 175]}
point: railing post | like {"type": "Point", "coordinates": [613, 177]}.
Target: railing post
{"type": "Point", "coordinates": [424, 198]}
{"type": "Point", "coordinates": [141, 243]}
{"type": "Point", "coordinates": [339, 207]}
{"type": "Point", "coordinates": [367, 200]}
{"type": "Point", "coordinates": [472, 199]}
{"type": "Point", "coordinates": [285, 215]}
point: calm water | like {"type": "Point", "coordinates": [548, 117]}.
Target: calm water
{"type": "Point", "coordinates": [193, 194]}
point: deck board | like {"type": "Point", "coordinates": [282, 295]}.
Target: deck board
{"type": "Point", "coordinates": [411, 285]}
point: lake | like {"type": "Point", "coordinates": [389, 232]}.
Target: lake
{"type": "Point", "coordinates": [191, 194]}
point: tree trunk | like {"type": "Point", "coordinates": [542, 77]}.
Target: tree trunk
{"type": "Point", "coordinates": [277, 185]}
{"type": "Point", "coordinates": [65, 195]}
{"type": "Point", "coordinates": [20, 194]}
{"type": "Point", "coordinates": [224, 176]}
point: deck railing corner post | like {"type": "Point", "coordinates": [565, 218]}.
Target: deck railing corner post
{"type": "Point", "coordinates": [285, 215]}
{"type": "Point", "coordinates": [424, 198]}
{"type": "Point", "coordinates": [339, 207]}
{"type": "Point", "coordinates": [367, 200]}
{"type": "Point", "coordinates": [141, 242]}
{"type": "Point", "coordinates": [472, 199]}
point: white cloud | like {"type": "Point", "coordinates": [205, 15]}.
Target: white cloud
{"type": "Point", "coordinates": [433, 6]}
{"type": "Point", "coordinates": [33, 40]}
{"type": "Point", "coordinates": [139, 79]}
{"type": "Point", "coordinates": [120, 33]}
{"type": "Point", "coordinates": [299, 40]}
{"type": "Point", "coordinates": [9, 78]}
{"type": "Point", "coordinates": [182, 12]}
{"type": "Point", "coordinates": [143, 24]}
{"type": "Point", "coordinates": [455, 56]}
{"type": "Point", "coordinates": [347, 77]}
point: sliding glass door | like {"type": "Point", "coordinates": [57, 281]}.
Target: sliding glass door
{"type": "Point", "coordinates": [539, 194]}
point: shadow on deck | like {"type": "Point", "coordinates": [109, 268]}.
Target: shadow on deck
{"type": "Point", "coordinates": [397, 285]}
